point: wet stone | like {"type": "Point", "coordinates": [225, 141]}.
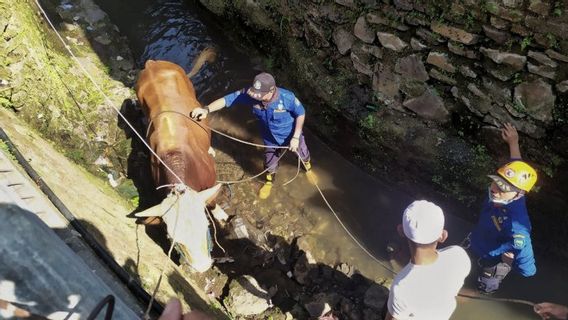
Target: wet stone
{"type": "Point", "coordinates": [520, 30]}
{"type": "Point", "coordinates": [512, 111]}
{"type": "Point", "coordinates": [542, 58]}
{"type": "Point", "coordinates": [556, 56]}
{"type": "Point", "coordinates": [544, 71]}
{"type": "Point", "coordinates": [512, 3]}
{"type": "Point", "coordinates": [510, 14]}
{"type": "Point", "coordinates": [377, 18]}
{"type": "Point", "coordinates": [537, 98]}
{"type": "Point", "coordinates": [403, 4]}
{"type": "Point", "coordinates": [416, 45]}
{"type": "Point", "coordinates": [361, 60]}
{"type": "Point", "coordinates": [499, 23]}
{"type": "Point", "coordinates": [415, 20]}
{"type": "Point", "coordinates": [428, 36]}
{"type": "Point", "coordinates": [460, 50]}
{"type": "Point", "coordinates": [454, 34]}
{"type": "Point", "coordinates": [440, 60]}
{"type": "Point", "coordinates": [246, 297]}
{"type": "Point", "coordinates": [347, 3]}
{"type": "Point", "coordinates": [499, 93]}
{"type": "Point", "coordinates": [412, 67]}
{"type": "Point", "coordinates": [363, 31]}
{"type": "Point", "coordinates": [412, 88]}
{"type": "Point", "coordinates": [503, 73]}
{"type": "Point", "coordinates": [517, 62]}
{"type": "Point", "coordinates": [428, 106]}
{"type": "Point", "coordinates": [391, 41]}
{"type": "Point", "coordinates": [467, 71]}
{"type": "Point", "coordinates": [343, 39]}
{"type": "Point", "coordinates": [436, 74]}
{"type": "Point", "coordinates": [539, 7]}
{"type": "Point", "coordinates": [496, 35]}
{"type": "Point", "coordinates": [386, 82]}
{"type": "Point", "coordinates": [315, 35]}
{"type": "Point", "coordinates": [562, 86]}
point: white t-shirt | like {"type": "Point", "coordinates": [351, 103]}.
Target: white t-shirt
{"type": "Point", "coordinates": [428, 292]}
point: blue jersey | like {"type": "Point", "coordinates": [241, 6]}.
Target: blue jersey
{"type": "Point", "coordinates": [276, 117]}
{"type": "Point", "coordinates": [505, 228]}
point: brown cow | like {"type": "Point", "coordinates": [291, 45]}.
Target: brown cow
{"type": "Point", "coordinates": [167, 97]}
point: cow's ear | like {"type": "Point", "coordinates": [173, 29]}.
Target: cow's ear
{"type": "Point", "coordinates": [208, 194]}
{"type": "Point", "coordinates": [154, 211]}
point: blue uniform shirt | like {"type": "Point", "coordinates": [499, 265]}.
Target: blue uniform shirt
{"type": "Point", "coordinates": [505, 228]}
{"type": "Point", "coordinates": [276, 118]}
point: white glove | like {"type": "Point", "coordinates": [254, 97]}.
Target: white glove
{"type": "Point", "coordinates": [199, 113]}
{"type": "Point", "coordinates": [294, 143]}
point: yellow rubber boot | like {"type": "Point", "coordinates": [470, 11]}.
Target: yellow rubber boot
{"type": "Point", "coordinates": [310, 174]}
{"type": "Point", "coordinates": [264, 192]}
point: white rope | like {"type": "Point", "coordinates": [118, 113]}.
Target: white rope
{"type": "Point", "coordinates": [297, 172]}
{"type": "Point", "coordinates": [214, 230]}
{"type": "Point", "coordinates": [107, 99]}
{"type": "Point", "coordinates": [253, 177]}
{"type": "Point", "coordinates": [343, 225]}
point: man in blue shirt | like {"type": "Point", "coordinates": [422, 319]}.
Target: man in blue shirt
{"type": "Point", "coordinates": [281, 118]}
{"type": "Point", "coordinates": [501, 240]}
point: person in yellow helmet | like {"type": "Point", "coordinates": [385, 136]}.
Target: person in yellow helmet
{"type": "Point", "coordinates": [501, 239]}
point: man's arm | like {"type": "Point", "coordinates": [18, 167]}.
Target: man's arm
{"type": "Point", "coordinates": [202, 113]}
{"type": "Point", "coordinates": [299, 125]}
{"type": "Point", "coordinates": [510, 135]}
{"type": "Point", "coordinates": [216, 105]}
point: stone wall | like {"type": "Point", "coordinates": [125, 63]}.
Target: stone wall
{"type": "Point", "coordinates": [41, 82]}
{"type": "Point", "coordinates": [414, 91]}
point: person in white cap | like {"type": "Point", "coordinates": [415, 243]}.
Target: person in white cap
{"type": "Point", "coordinates": [426, 288]}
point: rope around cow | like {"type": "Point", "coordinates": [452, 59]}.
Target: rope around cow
{"type": "Point", "coordinates": [109, 102]}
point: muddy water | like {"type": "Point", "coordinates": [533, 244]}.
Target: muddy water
{"type": "Point", "coordinates": [176, 31]}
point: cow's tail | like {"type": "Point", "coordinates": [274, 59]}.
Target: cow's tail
{"type": "Point", "coordinates": [207, 55]}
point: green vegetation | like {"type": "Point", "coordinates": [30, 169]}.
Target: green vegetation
{"type": "Point", "coordinates": [4, 147]}
{"type": "Point", "coordinates": [558, 8]}
{"type": "Point", "coordinates": [552, 40]}
{"type": "Point", "coordinates": [492, 7]}
{"type": "Point", "coordinates": [519, 106]}
{"type": "Point", "coordinates": [526, 42]}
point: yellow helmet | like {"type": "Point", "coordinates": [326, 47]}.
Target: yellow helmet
{"type": "Point", "coordinates": [520, 174]}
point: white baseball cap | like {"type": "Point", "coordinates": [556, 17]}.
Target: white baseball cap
{"type": "Point", "coordinates": [423, 222]}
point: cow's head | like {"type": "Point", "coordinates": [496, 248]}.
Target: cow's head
{"type": "Point", "coordinates": [187, 224]}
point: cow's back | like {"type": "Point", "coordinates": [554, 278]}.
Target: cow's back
{"type": "Point", "coordinates": [167, 97]}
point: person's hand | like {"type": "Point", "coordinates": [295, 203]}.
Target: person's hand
{"type": "Point", "coordinates": [173, 311]}
{"type": "Point", "coordinates": [508, 258]}
{"type": "Point", "coordinates": [294, 143]}
{"type": "Point", "coordinates": [509, 133]}
{"type": "Point", "coordinates": [199, 113]}
{"type": "Point", "coordinates": [549, 310]}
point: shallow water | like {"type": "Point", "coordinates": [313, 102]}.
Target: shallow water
{"type": "Point", "coordinates": [178, 31]}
